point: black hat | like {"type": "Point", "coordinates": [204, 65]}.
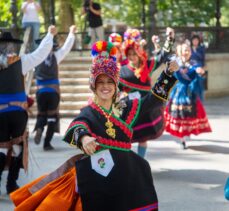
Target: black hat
{"type": "Point", "coordinates": [55, 43]}
{"type": "Point", "coordinates": [7, 37]}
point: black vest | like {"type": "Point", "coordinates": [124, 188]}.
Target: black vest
{"type": "Point", "coordinates": [12, 79]}
{"type": "Point", "coordinates": [47, 72]}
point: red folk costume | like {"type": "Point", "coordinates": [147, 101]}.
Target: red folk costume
{"type": "Point", "coordinates": [137, 83]}
{"type": "Point", "coordinates": [114, 178]}
{"type": "Point", "coordinates": [185, 113]}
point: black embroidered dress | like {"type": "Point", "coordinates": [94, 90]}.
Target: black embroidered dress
{"type": "Point", "coordinates": [130, 182]}
{"type": "Point", "coordinates": [128, 186]}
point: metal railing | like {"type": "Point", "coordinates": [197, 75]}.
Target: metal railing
{"type": "Point", "coordinates": [215, 39]}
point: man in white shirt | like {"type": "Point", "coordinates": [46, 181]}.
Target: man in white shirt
{"type": "Point", "coordinates": [48, 91]}
{"type": "Point", "coordinates": [13, 102]}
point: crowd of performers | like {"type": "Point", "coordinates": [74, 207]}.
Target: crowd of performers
{"type": "Point", "coordinates": [126, 108]}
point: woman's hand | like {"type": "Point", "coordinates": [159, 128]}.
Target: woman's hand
{"type": "Point", "coordinates": [72, 29]}
{"type": "Point", "coordinates": [143, 42]}
{"type": "Point", "coordinates": [173, 66]}
{"type": "Point", "coordinates": [200, 70]}
{"type": "Point", "coordinates": [89, 144]}
{"type": "Point", "coordinates": [52, 29]}
{"type": "Point", "coordinates": [170, 33]}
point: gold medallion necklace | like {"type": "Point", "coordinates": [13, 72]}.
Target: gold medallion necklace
{"type": "Point", "coordinates": [110, 131]}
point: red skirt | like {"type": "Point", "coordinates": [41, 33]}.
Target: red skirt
{"type": "Point", "coordinates": [186, 126]}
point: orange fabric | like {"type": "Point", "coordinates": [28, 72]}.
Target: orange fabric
{"type": "Point", "coordinates": [78, 206]}
{"type": "Point", "coordinates": [58, 195]}
{"type": "Point", "coordinates": [23, 193]}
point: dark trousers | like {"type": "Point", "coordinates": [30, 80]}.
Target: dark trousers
{"type": "Point", "coordinates": [12, 125]}
{"type": "Point", "coordinates": [47, 104]}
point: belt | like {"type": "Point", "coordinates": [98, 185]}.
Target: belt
{"type": "Point", "coordinates": [23, 105]}
{"type": "Point", "coordinates": [54, 86]}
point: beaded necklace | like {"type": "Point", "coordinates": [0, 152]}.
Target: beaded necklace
{"type": "Point", "coordinates": [110, 131]}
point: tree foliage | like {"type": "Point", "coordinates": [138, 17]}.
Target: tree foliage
{"type": "Point", "coordinates": [190, 12]}
{"type": "Point", "coordinates": [5, 14]}
{"type": "Point", "coordinates": [169, 12]}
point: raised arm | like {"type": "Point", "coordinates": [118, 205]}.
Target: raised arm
{"type": "Point", "coordinates": [65, 49]}
{"type": "Point", "coordinates": [161, 54]}
{"type": "Point", "coordinates": [159, 93]}
{"type": "Point", "coordinates": [31, 60]}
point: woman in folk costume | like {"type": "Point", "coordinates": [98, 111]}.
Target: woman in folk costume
{"type": "Point", "coordinates": [116, 39]}
{"type": "Point", "coordinates": [13, 103]}
{"type": "Point", "coordinates": [185, 114]}
{"type": "Point", "coordinates": [135, 79]}
{"type": "Point", "coordinates": [109, 175]}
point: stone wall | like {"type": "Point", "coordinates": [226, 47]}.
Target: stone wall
{"type": "Point", "coordinates": [218, 74]}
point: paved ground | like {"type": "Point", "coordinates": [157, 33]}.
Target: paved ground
{"type": "Point", "coordinates": [185, 180]}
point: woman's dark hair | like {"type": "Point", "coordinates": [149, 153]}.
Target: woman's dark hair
{"type": "Point", "coordinates": [195, 36]}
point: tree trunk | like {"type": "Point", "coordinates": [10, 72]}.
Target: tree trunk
{"type": "Point", "coordinates": [45, 6]}
{"type": "Point", "coordinates": [66, 16]}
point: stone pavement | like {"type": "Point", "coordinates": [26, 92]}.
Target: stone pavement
{"type": "Point", "coordinates": [185, 180]}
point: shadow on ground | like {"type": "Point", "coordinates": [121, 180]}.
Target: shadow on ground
{"type": "Point", "coordinates": [210, 148]}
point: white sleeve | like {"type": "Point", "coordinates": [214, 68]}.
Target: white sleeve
{"type": "Point", "coordinates": [31, 60]}
{"type": "Point", "coordinates": [65, 49]}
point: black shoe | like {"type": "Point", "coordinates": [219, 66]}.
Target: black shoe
{"type": "Point", "coordinates": [184, 145]}
{"type": "Point", "coordinates": [48, 147]}
{"type": "Point", "coordinates": [11, 187]}
{"type": "Point", "coordinates": [38, 135]}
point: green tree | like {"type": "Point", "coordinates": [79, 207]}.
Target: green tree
{"type": "Point", "coordinates": [169, 12]}
{"type": "Point", "coordinates": [190, 12]}
{"type": "Point", "coordinates": [5, 14]}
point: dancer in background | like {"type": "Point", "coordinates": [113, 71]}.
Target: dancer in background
{"type": "Point", "coordinates": [135, 80]}
{"type": "Point", "coordinates": [13, 102]}
{"type": "Point", "coordinates": [185, 114]}
{"type": "Point", "coordinates": [198, 59]}
{"type": "Point", "coordinates": [48, 91]}
{"type": "Point", "coordinates": [116, 39]}
{"type": "Point", "coordinates": [109, 175]}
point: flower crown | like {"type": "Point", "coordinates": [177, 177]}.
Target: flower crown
{"type": "Point", "coordinates": [104, 62]}
{"type": "Point", "coordinates": [132, 34]}
{"type": "Point", "coordinates": [103, 48]}
{"type": "Point", "coordinates": [115, 38]}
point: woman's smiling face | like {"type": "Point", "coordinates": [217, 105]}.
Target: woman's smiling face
{"type": "Point", "coordinates": [133, 57]}
{"type": "Point", "coordinates": [104, 88]}
{"type": "Point", "coordinates": [186, 52]}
